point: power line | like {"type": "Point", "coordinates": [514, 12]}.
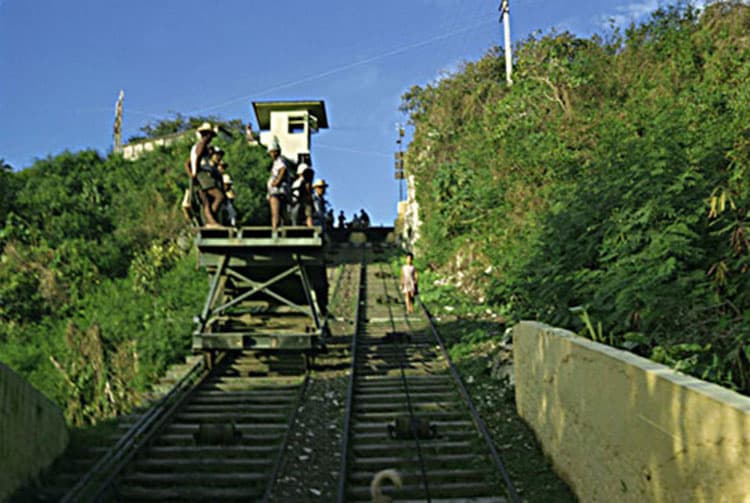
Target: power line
{"type": "Point", "coordinates": [352, 150]}
{"type": "Point", "coordinates": [341, 68]}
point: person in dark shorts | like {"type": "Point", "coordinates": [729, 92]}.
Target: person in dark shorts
{"type": "Point", "coordinates": [205, 175]}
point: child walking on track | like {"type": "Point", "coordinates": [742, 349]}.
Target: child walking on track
{"type": "Point", "coordinates": [409, 282]}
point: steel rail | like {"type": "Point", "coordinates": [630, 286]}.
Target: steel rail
{"type": "Point", "coordinates": [100, 477]}
{"type": "Point", "coordinates": [477, 419]}
{"type": "Point", "coordinates": [287, 435]}
{"type": "Point", "coordinates": [341, 498]}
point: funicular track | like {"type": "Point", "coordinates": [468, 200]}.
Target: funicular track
{"type": "Point", "coordinates": [218, 435]}
{"type": "Point", "coordinates": [220, 439]}
{"type": "Point", "coordinates": [401, 372]}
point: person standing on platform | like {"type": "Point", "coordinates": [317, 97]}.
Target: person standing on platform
{"type": "Point", "coordinates": [278, 186]}
{"type": "Point", "coordinates": [205, 175]}
{"type": "Point", "coordinates": [301, 211]}
{"type": "Point", "coordinates": [409, 279]}
{"type": "Point", "coordinates": [226, 180]}
{"type": "Point", "coordinates": [319, 203]}
{"type": "Point", "coordinates": [364, 218]}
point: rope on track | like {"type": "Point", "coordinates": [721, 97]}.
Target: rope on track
{"type": "Point", "coordinates": [341, 498]}
{"type": "Point", "coordinates": [478, 421]}
{"type": "Point", "coordinates": [412, 418]}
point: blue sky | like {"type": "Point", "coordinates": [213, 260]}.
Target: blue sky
{"type": "Point", "coordinates": [65, 61]}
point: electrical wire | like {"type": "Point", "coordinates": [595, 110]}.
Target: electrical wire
{"type": "Point", "coordinates": [352, 150]}
{"type": "Point", "coordinates": [339, 69]}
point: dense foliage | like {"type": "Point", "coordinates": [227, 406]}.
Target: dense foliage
{"type": "Point", "coordinates": [97, 279]}
{"type": "Point", "coordinates": [607, 190]}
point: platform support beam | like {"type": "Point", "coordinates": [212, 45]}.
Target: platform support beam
{"type": "Point", "coordinates": [218, 274]}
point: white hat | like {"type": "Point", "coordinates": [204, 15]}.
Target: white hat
{"type": "Point", "coordinates": [274, 145]}
{"type": "Point", "coordinates": [302, 167]}
{"type": "Point", "coordinates": [206, 126]}
{"type": "Point", "coordinates": [320, 183]}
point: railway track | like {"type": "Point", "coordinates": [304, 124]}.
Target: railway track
{"type": "Point", "coordinates": [218, 435]}
{"type": "Point", "coordinates": [221, 434]}
{"type": "Point", "coordinates": [222, 439]}
{"type": "Point", "coordinates": [400, 370]}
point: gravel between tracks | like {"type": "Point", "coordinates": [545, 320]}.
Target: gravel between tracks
{"type": "Point", "coordinates": [310, 469]}
{"type": "Point", "coordinates": [311, 466]}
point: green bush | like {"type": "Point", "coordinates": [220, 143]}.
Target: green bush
{"type": "Point", "coordinates": [94, 269]}
{"type": "Point", "coordinates": [611, 175]}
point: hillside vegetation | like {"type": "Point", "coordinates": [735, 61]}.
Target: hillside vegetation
{"type": "Point", "coordinates": [607, 190]}
{"type": "Point", "coordinates": [98, 285]}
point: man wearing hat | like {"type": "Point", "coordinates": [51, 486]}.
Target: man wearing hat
{"type": "Point", "coordinates": [204, 174]}
{"type": "Point", "coordinates": [319, 202]}
{"type": "Point", "coordinates": [301, 211]}
{"type": "Point", "coordinates": [278, 185]}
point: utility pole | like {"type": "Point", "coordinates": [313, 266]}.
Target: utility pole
{"type": "Point", "coordinates": [118, 122]}
{"type": "Point", "coordinates": [505, 14]}
{"type": "Point", "coordinates": [399, 173]}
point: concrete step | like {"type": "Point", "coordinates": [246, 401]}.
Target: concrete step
{"type": "Point", "coordinates": [381, 424]}
{"type": "Point", "coordinates": [208, 464]}
{"type": "Point", "coordinates": [430, 448]}
{"type": "Point", "coordinates": [236, 407]}
{"type": "Point", "coordinates": [382, 435]}
{"type": "Point", "coordinates": [414, 476]}
{"type": "Point", "coordinates": [437, 490]}
{"type": "Point", "coordinates": [209, 395]}
{"type": "Point", "coordinates": [227, 417]}
{"type": "Point", "coordinates": [127, 492]}
{"type": "Point", "coordinates": [391, 396]}
{"type": "Point", "coordinates": [402, 406]}
{"type": "Point", "coordinates": [432, 380]}
{"type": "Point", "coordinates": [446, 461]}
{"type": "Point", "coordinates": [431, 415]}
{"type": "Point", "coordinates": [206, 451]}
{"type": "Point", "coordinates": [200, 479]}
{"type": "Point", "coordinates": [247, 438]}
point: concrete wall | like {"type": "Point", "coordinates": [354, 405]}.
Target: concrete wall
{"type": "Point", "coordinates": [32, 432]}
{"type": "Point", "coordinates": [622, 428]}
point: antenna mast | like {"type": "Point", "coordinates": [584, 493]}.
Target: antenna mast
{"type": "Point", "coordinates": [399, 164]}
{"type": "Point", "coordinates": [505, 12]}
{"type": "Point", "coordinates": [118, 122]}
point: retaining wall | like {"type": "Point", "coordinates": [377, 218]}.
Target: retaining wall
{"type": "Point", "coordinates": [32, 432]}
{"type": "Point", "coordinates": [619, 427]}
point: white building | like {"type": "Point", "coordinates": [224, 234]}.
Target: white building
{"type": "Point", "coordinates": [291, 123]}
